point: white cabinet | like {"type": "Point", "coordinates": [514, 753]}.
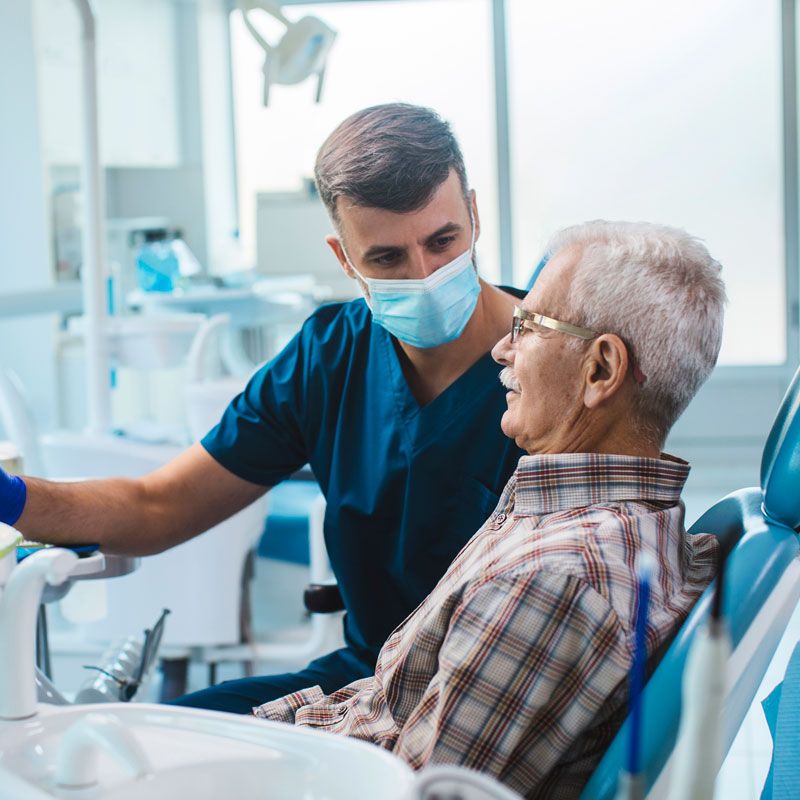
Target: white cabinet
{"type": "Point", "coordinates": [138, 95]}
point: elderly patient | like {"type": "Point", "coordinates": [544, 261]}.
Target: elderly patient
{"type": "Point", "coordinates": [516, 663]}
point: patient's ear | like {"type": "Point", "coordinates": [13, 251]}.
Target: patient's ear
{"type": "Point", "coordinates": [605, 368]}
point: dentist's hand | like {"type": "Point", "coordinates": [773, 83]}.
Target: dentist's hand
{"type": "Point", "coordinates": [13, 493]}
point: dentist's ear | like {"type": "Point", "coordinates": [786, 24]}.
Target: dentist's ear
{"type": "Point", "coordinates": [605, 368]}
{"type": "Point", "coordinates": [474, 202]}
{"type": "Point", "coordinates": [335, 244]}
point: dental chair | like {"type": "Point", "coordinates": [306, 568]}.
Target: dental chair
{"type": "Point", "coordinates": [757, 530]}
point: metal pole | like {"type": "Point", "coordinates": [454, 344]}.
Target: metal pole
{"type": "Point", "coordinates": [92, 277]}
{"type": "Point", "coordinates": [791, 221]}
{"type": "Point", "coordinates": [503, 142]}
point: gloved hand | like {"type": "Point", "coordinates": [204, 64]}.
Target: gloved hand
{"type": "Point", "coordinates": [13, 494]}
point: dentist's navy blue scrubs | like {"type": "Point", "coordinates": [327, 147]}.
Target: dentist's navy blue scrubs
{"type": "Point", "coordinates": [406, 487]}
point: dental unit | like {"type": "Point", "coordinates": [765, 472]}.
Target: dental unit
{"type": "Point", "coordinates": [76, 766]}
{"type": "Point", "coordinates": [120, 751]}
{"type": "Point", "coordinates": [9, 539]}
{"type": "Point", "coordinates": [18, 607]}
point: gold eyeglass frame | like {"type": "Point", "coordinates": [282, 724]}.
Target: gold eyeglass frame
{"type": "Point", "coordinates": [521, 316]}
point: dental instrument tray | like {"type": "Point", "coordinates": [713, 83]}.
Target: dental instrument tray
{"type": "Point", "coordinates": [91, 565]}
{"type": "Point", "coordinates": [26, 548]}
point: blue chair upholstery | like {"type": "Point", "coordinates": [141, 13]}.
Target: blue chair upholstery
{"type": "Point", "coordinates": [293, 533]}
{"type": "Point", "coordinates": [539, 267]}
{"type": "Point", "coordinates": [780, 465]}
{"type": "Point", "coordinates": [756, 528]}
{"type": "Point", "coordinates": [285, 535]}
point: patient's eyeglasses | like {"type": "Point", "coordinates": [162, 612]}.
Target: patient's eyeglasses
{"type": "Point", "coordinates": [527, 320]}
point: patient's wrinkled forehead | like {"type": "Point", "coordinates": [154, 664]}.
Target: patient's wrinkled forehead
{"type": "Point", "coordinates": [550, 294]}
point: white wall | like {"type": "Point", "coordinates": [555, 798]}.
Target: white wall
{"type": "Point", "coordinates": [26, 344]}
{"type": "Point", "coordinates": [138, 94]}
{"type": "Point", "coordinates": [186, 175]}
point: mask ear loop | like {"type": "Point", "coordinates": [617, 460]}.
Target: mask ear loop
{"type": "Point", "coordinates": [472, 240]}
{"type": "Point", "coordinates": [350, 263]}
{"type": "Point", "coordinates": [362, 281]}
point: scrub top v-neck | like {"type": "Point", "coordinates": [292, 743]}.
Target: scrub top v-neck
{"type": "Point", "coordinates": [406, 486]}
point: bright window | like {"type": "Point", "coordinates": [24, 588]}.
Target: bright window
{"type": "Point", "coordinates": [435, 53]}
{"type": "Point", "coordinates": [667, 112]}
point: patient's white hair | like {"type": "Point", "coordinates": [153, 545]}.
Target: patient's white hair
{"type": "Point", "coordinates": [660, 291]}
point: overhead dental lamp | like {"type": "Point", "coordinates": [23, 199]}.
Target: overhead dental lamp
{"type": "Point", "coordinates": [302, 50]}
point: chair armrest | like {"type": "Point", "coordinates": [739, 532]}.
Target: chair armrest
{"type": "Point", "coordinates": [323, 598]}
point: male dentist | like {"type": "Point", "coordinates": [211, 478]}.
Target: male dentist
{"type": "Point", "coordinates": [393, 400]}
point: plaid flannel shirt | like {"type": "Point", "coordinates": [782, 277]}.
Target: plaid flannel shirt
{"type": "Point", "coordinates": [516, 663]}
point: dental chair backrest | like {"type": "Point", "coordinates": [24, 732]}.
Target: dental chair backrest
{"type": "Point", "coordinates": [756, 530]}
{"type": "Point", "coordinates": [780, 464]}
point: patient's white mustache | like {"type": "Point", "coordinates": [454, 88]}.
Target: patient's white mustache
{"type": "Point", "coordinates": [509, 379]}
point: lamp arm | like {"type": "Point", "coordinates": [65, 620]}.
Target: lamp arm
{"type": "Point", "coordinates": [255, 34]}
{"type": "Point", "coordinates": [94, 255]}
{"type": "Point", "coordinates": [267, 72]}
{"type": "Point", "coordinates": [320, 81]}
{"type": "Point", "coordinates": [273, 9]}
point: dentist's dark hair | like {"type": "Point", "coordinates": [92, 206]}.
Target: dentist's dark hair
{"type": "Point", "coordinates": [392, 156]}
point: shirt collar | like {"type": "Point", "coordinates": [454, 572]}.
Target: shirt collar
{"type": "Point", "coordinates": [550, 483]}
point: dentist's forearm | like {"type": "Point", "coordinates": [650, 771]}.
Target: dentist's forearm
{"type": "Point", "coordinates": [112, 513]}
{"type": "Point", "coordinates": [185, 497]}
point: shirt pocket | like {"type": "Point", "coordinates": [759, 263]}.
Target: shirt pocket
{"type": "Point", "coordinates": [321, 715]}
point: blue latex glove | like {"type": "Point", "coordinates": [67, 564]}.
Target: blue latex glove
{"type": "Point", "coordinates": [13, 494]}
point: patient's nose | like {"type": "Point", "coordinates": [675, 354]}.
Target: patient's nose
{"type": "Point", "coordinates": [503, 352]}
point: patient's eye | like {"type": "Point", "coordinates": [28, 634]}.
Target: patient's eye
{"type": "Point", "coordinates": [536, 327]}
{"type": "Point", "coordinates": [519, 329]}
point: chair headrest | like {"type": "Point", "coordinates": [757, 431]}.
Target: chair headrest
{"type": "Point", "coordinates": [539, 267]}
{"type": "Point", "coordinates": [780, 463]}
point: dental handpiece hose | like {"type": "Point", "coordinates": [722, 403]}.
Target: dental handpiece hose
{"type": "Point", "coordinates": [698, 755]}
{"type": "Point", "coordinates": [630, 785]}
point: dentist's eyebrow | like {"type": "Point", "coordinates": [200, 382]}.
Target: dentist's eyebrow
{"type": "Point", "coordinates": [450, 227]}
{"type": "Point", "coordinates": [384, 249]}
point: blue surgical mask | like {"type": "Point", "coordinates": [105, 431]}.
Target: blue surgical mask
{"type": "Point", "coordinates": [430, 311]}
